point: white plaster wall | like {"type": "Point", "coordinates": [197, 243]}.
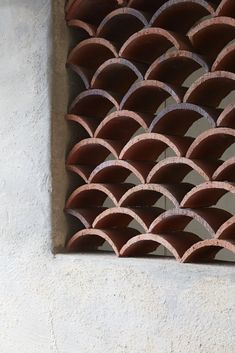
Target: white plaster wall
{"type": "Point", "coordinates": [79, 303]}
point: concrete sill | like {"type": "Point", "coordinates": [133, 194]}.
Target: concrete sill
{"type": "Point", "coordinates": [153, 262]}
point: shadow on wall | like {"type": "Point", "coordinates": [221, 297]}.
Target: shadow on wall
{"type": "Point", "coordinates": [59, 128]}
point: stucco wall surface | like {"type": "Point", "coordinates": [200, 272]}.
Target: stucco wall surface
{"type": "Point", "coordinates": [79, 303]}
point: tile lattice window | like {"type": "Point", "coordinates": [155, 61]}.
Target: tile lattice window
{"type": "Point", "coordinates": [153, 124]}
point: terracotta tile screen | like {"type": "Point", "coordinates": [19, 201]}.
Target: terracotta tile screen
{"type": "Point", "coordinates": [152, 70]}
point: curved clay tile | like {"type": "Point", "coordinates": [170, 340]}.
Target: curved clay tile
{"type": "Point", "coordinates": [89, 11]}
{"type": "Point", "coordinates": [83, 171]}
{"type": "Point", "coordinates": [226, 8]}
{"type": "Point", "coordinates": [174, 67]}
{"type": "Point", "coordinates": [84, 53]}
{"type": "Point", "coordinates": [118, 171]}
{"type": "Point", "coordinates": [226, 171]}
{"type": "Point", "coordinates": [89, 29]}
{"type": "Point", "coordinates": [225, 60]}
{"type": "Point", "coordinates": [122, 125]}
{"type": "Point", "coordinates": [227, 229]}
{"type": "Point", "coordinates": [213, 143]}
{"type": "Point", "coordinates": [106, 75]}
{"type": "Point", "coordinates": [89, 124]}
{"type": "Point", "coordinates": [93, 103]}
{"type": "Point", "coordinates": [203, 36]}
{"type": "Point", "coordinates": [226, 118]}
{"type": "Point", "coordinates": [91, 239]}
{"type": "Point", "coordinates": [211, 88]}
{"type": "Point", "coordinates": [83, 241]}
{"type": "Point", "coordinates": [142, 245]}
{"type": "Point", "coordinates": [207, 194]}
{"type": "Point", "coordinates": [177, 244]}
{"type": "Point", "coordinates": [80, 72]}
{"type": "Point", "coordinates": [122, 217]}
{"type": "Point", "coordinates": [94, 195]}
{"type": "Point", "coordinates": [147, 96]}
{"type": "Point", "coordinates": [149, 6]}
{"type": "Point", "coordinates": [178, 219]}
{"type": "Point", "coordinates": [86, 216]}
{"type": "Point", "coordinates": [206, 250]}
{"type": "Point", "coordinates": [175, 169]}
{"type": "Point", "coordinates": [120, 24]}
{"type": "Point", "coordinates": [92, 151]}
{"type": "Point", "coordinates": [148, 194]}
{"type": "Point", "coordinates": [176, 119]}
{"type": "Point", "coordinates": [148, 44]}
{"type": "Point", "coordinates": [149, 146]}
{"type": "Point", "coordinates": [181, 15]}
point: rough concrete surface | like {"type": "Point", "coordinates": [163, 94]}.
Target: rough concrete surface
{"type": "Point", "coordinates": [80, 303]}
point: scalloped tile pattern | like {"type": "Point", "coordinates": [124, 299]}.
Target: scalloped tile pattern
{"type": "Point", "coordinates": [133, 60]}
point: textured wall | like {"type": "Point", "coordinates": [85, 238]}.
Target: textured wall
{"type": "Point", "coordinates": [78, 303]}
